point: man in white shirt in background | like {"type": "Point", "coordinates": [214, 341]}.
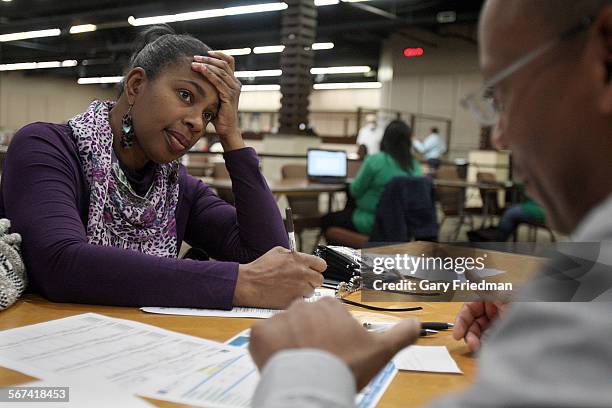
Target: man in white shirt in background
{"type": "Point", "coordinates": [432, 147]}
{"type": "Point", "coordinates": [371, 134]}
{"type": "Point", "coordinates": [547, 66]}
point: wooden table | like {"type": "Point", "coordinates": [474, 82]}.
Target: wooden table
{"type": "Point", "coordinates": [409, 389]}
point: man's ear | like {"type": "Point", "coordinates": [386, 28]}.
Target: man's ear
{"type": "Point", "coordinates": [604, 32]}
{"type": "Point", "coordinates": [133, 84]}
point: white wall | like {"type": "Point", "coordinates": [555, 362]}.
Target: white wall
{"type": "Point", "coordinates": [26, 99]}
{"type": "Point", "coordinates": [433, 84]}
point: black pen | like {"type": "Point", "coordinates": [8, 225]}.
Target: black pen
{"type": "Point", "coordinates": [290, 229]}
{"type": "Point", "coordinates": [437, 325]}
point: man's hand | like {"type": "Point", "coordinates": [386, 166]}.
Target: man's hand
{"type": "Point", "coordinates": [326, 325]}
{"type": "Point", "coordinates": [277, 278]}
{"type": "Point", "coordinates": [473, 319]}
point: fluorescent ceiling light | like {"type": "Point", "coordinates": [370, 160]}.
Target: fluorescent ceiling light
{"type": "Point", "coordinates": [252, 88]}
{"type": "Point", "coordinates": [236, 51]}
{"type": "Point", "coordinates": [37, 65]}
{"type": "Point", "coordinates": [262, 73]}
{"type": "Point", "coordinates": [268, 49]}
{"type": "Point", "coordinates": [83, 28]}
{"type": "Point", "coordinates": [30, 34]}
{"type": "Point", "coordinates": [354, 1]}
{"type": "Point", "coordinates": [18, 66]}
{"type": "Point", "coordinates": [349, 85]}
{"type": "Point", "coordinates": [6, 1]}
{"type": "Point", "coordinates": [323, 46]}
{"type": "Point", "coordinates": [341, 70]}
{"type": "Point", "coordinates": [99, 80]}
{"type": "Point", "coordinates": [196, 15]}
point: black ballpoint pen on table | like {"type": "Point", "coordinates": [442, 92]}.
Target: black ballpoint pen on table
{"type": "Point", "coordinates": [437, 325]}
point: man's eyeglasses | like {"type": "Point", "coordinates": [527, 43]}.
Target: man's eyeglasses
{"type": "Point", "coordinates": [483, 103]}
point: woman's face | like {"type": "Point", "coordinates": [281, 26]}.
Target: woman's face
{"type": "Point", "coordinates": [171, 112]}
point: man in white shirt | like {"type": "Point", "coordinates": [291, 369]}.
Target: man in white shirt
{"type": "Point", "coordinates": [431, 147]}
{"type": "Point", "coordinates": [371, 134]}
{"type": "Point", "coordinates": [548, 93]}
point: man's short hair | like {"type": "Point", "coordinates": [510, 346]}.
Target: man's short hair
{"type": "Point", "coordinates": [434, 130]}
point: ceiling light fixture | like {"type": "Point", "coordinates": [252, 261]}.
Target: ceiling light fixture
{"type": "Point", "coordinates": [99, 80]}
{"type": "Point", "coordinates": [197, 15]}
{"type": "Point", "coordinates": [236, 51]}
{"type": "Point", "coordinates": [83, 28]}
{"type": "Point", "coordinates": [255, 74]}
{"type": "Point", "coordinates": [53, 32]}
{"type": "Point", "coordinates": [269, 49]}
{"type": "Point", "coordinates": [20, 66]}
{"type": "Point", "coordinates": [322, 46]}
{"type": "Point", "coordinates": [360, 69]}
{"type": "Point", "coordinates": [348, 85]}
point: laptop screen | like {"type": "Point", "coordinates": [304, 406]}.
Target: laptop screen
{"type": "Point", "coordinates": [327, 163]}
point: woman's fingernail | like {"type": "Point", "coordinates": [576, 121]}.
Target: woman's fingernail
{"type": "Point", "coordinates": [198, 57]}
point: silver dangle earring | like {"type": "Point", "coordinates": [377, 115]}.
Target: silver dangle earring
{"type": "Point", "coordinates": [127, 129]}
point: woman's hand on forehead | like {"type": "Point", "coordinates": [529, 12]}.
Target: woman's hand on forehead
{"type": "Point", "coordinates": [218, 68]}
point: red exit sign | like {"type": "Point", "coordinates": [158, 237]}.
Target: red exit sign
{"type": "Point", "coordinates": [414, 52]}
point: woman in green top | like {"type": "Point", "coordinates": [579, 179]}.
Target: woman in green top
{"type": "Point", "coordinates": [393, 160]}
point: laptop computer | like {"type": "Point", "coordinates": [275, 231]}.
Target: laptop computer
{"type": "Point", "coordinates": [327, 166]}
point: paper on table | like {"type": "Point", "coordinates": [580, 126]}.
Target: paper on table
{"type": "Point", "coordinates": [426, 358]}
{"type": "Point", "coordinates": [83, 392]}
{"type": "Point", "coordinates": [369, 395]}
{"type": "Point", "coordinates": [231, 383]}
{"type": "Point", "coordinates": [250, 312]}
{"type": "Point", "coordinates": [126, 353]}
{"type": "Point", "coordinates": [373, 392]}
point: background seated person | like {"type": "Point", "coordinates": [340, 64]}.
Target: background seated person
{"type": "Point", "coordinates": [103, 205]}
{"type": "Point", "coordinates": [527, 211]}
{"type": "Point", "coordinates": [393, 160]}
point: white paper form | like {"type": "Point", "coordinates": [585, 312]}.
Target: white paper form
{"type": "Point", "coordinates": [426, 358]}
{"type": "Point", "coordinates": [86, 393]}
{"type": "Point", "coordinates": [250, 312]}
{"type": "Point", "coordinates": [237, 381]}
{"type": "Point", "coordinates": [126, 353]}
{"type": "Point", "coordinates": [231, 383]}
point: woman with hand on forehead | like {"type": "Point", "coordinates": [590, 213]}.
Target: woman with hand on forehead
{"type": "Point", "coordinates": [103, 205]}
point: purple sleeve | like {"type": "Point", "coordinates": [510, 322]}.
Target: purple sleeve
{"type": "Point", "coordinates": [242, 233]}
{"type": "Point", "coordinates": [42, 191]}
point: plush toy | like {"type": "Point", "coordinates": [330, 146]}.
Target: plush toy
{"type": "Point", "coordinates": [12, 270]}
